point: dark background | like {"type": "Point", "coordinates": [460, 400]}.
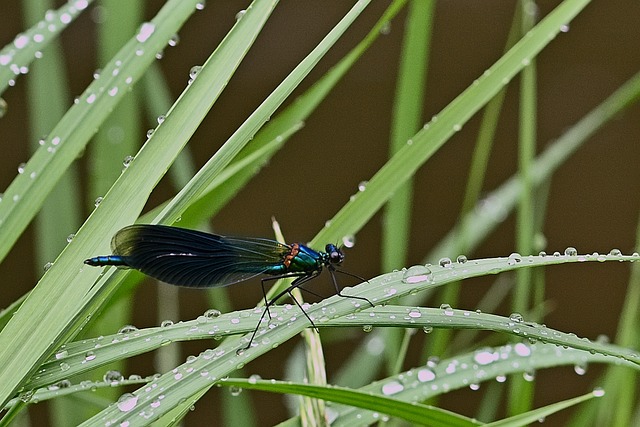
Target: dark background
{"type": "Point", "coordinates": [593, 202]}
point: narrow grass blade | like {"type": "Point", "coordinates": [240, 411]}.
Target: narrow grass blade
{"type": "Point", "coordinates": [412, 412]}
{"type": "Point", "coordinates": [434, 134]}
{"type": "Point", "coordinates": [44, 321]}
{"type": "Point", "coordinates": [16, 57]}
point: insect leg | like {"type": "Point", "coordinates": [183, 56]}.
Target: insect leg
{"type": "Point", "coordinates": [339, 291]}
{"type": "Point", "coordinates": [298, 276]}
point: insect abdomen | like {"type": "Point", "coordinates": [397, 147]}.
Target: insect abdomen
{"type": "Point", "coordinates": [105, 260]}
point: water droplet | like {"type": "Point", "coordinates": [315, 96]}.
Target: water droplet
{"type": "Point", "coordinates": [21, 41]}
{"type": "Point", "coordinates": [391, 388]}
{"type": "Point", "coordinates": [240, 351]}
{"type": "Point", "coordinates": [150, 133]}
{"type": "Point", "coordinates": [240, 14]}
{"type": "Point", "coordinates": [367, 328]}
{"type": "Point", "coordinates": [89, 356]}
{"type": "Point", "coordinates": [427, 329]}
{"type": "Point", "coordinates": [448, 311]}
{"type": "Point", "coordinates": [349, 241]}
{"type": "Point", "coordinates": [96, 73]}
{"type": "Point", "coordinates": [212, 313]}
{"type": "Point", "coordinates": [113, 91]}
{"type": "Point", "coordinates": [445, 262]}
{"type": "Point", "coordinates": [112, 377]}
{"type": "Point", "coordinates": [200, 5]}
{"type": "Point", "coordinates": [127, 329]}
{"type": "Point", "coordinates": [161, 118]}
{"type": "Point", "coordinates": [529, 376]}
{"type": "Point", "coordinates": [580, 369]}
{"type": "Point", "coordinates": [457, 127]}
{"type": "Point", "coordinates": [235, 390]}
{"type": "Point", "coordinates": [564, 28]}
{"type": "Point", "coordinates": [254, 378]}
{"type": "Point", "coordinates": [21, 167]}
{"type": "Point", "coordinates": [474, 386]}
{"type": "Point", "coordinates": [70, 237]}
{"type": "Point", "coordinates": [362, 185]}
{"type": "Point", "coordinates": [146, 30]}
{"type": "Point", "coordinates": [127, 161]}
{"type": "Point", "coordinates": [522, 349]}
{"type": "Point", "coordinates": [486, 356]}
{"type": "Point", "coordinates": [426, 375]}
{"type": "Point", "coordinates": [47, 266]}
{"type": "Point", "coordinates": [516, 317]}
{"type": "Point", "coordinates": [542, 254]}
{"type": "Point", "coordinates": [166, 323]}
{"type": "Point", "coordinates": [462, 259]}
{"type": "Point", "coordinates": [415, 313]}
{"type": "Point", "coordinates": [385, 28]}
{"type": "Point", "coordinates": [26, 396]}
{"type": "Point", "coordinates": [514, 258]}
{"type": "Point", "coordinates": [570, 251]}
{"type": "Point", "coordinates": [598, 392]}
{"type": "Point", "coordinates": [127, 402]}
{"type": "Point", "coordinates": [174, 40]}
{"type": "Point", "coordinates": [64, 366]}
{"type": "Point", "coordinates": [417, 274]}
{"type": "Point", "coordinates": [615, 252]}
{"type": "Point", "coordinates": [98, 201]}
{"type": "Point", "coordinates": [59, 385]}
{"type": "Point", "coordinates": [194, 71]}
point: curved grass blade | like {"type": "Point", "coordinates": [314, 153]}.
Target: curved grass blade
{"type": "Point", "coordinates": [48, 315]}
{"type": "Point", "coordinates": [425, 143]}
{"type": "Point", "coordinates": [539, 414]}
{"type": "Point", "coordinates": [24, 196]}
{"type": "Point", "coordinates": [413, 412]}
{"type": "Point", "coordinates": [16, 57]}
{"type": "Point", "coordinates": [206, 369]}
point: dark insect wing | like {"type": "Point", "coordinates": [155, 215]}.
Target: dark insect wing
{"type": "Point", "coordinates": [195, 259]}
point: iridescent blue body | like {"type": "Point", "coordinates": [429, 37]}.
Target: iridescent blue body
{"type": "Point", "coordinates": [184, 257]}
{"type": "Point", "coordinates": [193, 258]}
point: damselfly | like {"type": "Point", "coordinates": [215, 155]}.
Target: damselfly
{"type": "Point", "coordinates": [195, 259]}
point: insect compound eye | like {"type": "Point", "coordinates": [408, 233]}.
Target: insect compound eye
{"type": "Point", "coordinates": [335, 255]}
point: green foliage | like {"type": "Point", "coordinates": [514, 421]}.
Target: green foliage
{"type": "Point", "coordinates": [41, 357]}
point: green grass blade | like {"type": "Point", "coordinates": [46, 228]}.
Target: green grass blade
{"type": "Point", "coordinates": [68, 138]}
{"type": "Point", "coordinates": [521, 391]}
{"type": "Point", "coordinates": [16, 56]}
{"type": "Point", "coordinates": [197, 186]}
{"type": "Point", "coordinates": [106, 156]}
{"type": "Point", "coordinates": [42, 323]}
{"type": "Point", "coordinates": [276, 132]}
{"type": "Point", "coordinates": [203, 371]}
{"type": "Point", "coordinates": [48, 95]}
{"type": "Point", "coordinates": [479, 223]}
{"type": "Point", "coordinates": [476, 368]}
{"type": "Point", "coordinates": [412, 412]}
{"type": "Point", "coordinates": [539, 414]}
{"type": "Point", "coordinates": [476, 225]}
{"type": "Point", "coordinates": [406, 121]}
{"type": "Point", "coordinates": [426, 142]}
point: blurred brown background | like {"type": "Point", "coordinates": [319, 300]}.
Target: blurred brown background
{"type": "Point", "coordinates": [594, 198]}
